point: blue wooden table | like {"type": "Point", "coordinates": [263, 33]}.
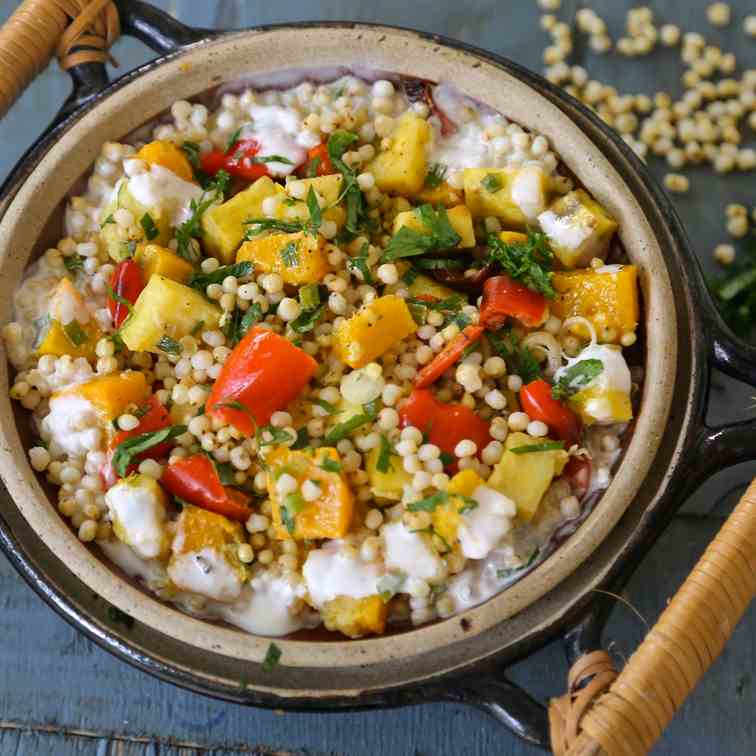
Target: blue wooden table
{"type": "Point", "coordinates": [62, 695]}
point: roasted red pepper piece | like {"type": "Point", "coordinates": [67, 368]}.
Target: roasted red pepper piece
{"type": "Point", "coordinates": [448, 356]}
{"type": "Point", "coordinates": [445, 424]}
{"type": "Point", "coordinates": [195, 480]}
{"type": "Point", "coordinates": [264, 373]}
{"type": "Point", "coordinates": [536, 400]}
{"type": "Point", "coordinates": [127, 281]}
{"type": "Point", "coordinates": [324, 165]}
{"type": "Point", "coordinates": [238, 160]}
{"type": "Point", "coordinates": [578, 474]}
{"type": "Point", "coordinates": [503, 298]}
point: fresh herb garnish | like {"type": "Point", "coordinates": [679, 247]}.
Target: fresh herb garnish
{"type": "Point", "coordinates": [226, 473]}
{"type": "Point", "coordinates": [331, 409]}
{"type": "Point", "coordinates": [316, 216]}
{"type": "Point", "coordinates": [277, 436]}
{"type": "Point", "coordinates": [292, 504]}
{"type": "Point", "coordinates": [192, 152]}
{"type": "Point", "coordinates": [108, 220]}
{"type": "Point", "coordinates": [338, 143]}
{"type": "Point", "coordinates": [118, 298]}
{"type": "Point", "coordinates": [258, 225]}
{"type": "Point", "coordinates": [513, 570]}
{"type": "Point", "coordinates": [428, 504]}
{"type": "Point", "coordinates": [306, 320]}
{"type": "Point", "coordinates": [198, 326]}
{"type": "Point", "coordinates": [410, 275]}
{"type": "Point", "coordinates": [75, 333]}
{"type": "Point", "coordinates": [576, 377]}
{"type": "Point", "coordinates": [290, 256]}
{"type": "Point", "coordinates": [74, 263]}
{"type": "Point", "coordinates": [312, 167]}
{"type": "Point", "coordinates": [201, 281]}
{"type": "Point", "coordinates": [169, 345]}
{"type": "Point", "coordinates": [408, 243]}
{"type": "Point", "coordinates": [468, 504]}
{"type": "Point", "coordinates": [272, 658]}
{"type": "Point", "coordinates": [233, 139]}
{"type": "Point", "coordinates": [303, 440]}
{"type": "Point", "coordinates": [309, 296]}
{"type": "Point", "coordinates": [118, 344]}
{"type": "Point", "coordinates": [192, 227]}
{"type": "Point", "coordinates": [491, 183]}
{"type": "Point", "coordinates": [446, 459]}
{"type": "Point", "coordinates": [540, 447]}
{"type": "Point", "coordinates": [128, 248]}
{"type": "Point", "coordinates": [438, 263]}
{"type": "Point", "coordinates": [520, 360]}
{"type": "Point", "coordinates": [389, 585]}
{"type": "Point", "coordinates": [435, 176]}
{"type": "Point", "coordinates": [360, 263]}
{"type": "Point", "coordinates": [329, 465]}
{"type": "Point", "coordinates": [132, 447]}
{"type": "Point", "coordinates": [253, 315]}
{"type": "Point", "coordinates": [384, 456]}
{"type": "Point", "coordinates": [148, 225]}
{"type": "Point", "coordinates": [432, 532]}
{"type": "Point", "coordinates": [233, 404]}
{"type": "Point", "coordinates": [342, 430]}
{"type": "Point", "coordinates": [528, 262]}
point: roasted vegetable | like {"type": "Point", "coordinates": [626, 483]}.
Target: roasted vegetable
{"type": "Point", "coordinates": [169, 155]}
{"type": "Point", "coordinates": [298, 258]}
{"type": "Point", "coordinates": [157, 260]}
{"type": "Point", "coordinates": [355, 617]}
{"type": "Point", "coordinates": [111, 394]}
{"type": "Point", "coordinates": [459, 218]}
{"type": "Point", "coordinates": [386, 474]}
{"type": "Point", "coordinates": [514, 195]}
{"type": "Point", "coordinates": [403, 167]}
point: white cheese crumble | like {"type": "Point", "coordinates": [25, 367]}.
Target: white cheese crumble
{"type": "Point", "coordinates": [409, 552]}
{"type": "Point", "coordinates": [330, 572]}
{"type": "Point", "coordinates": [484, 526]}
{"type": "Point", "coordinates": [138, 518]}
{"type": "Point", "coordinates": [72, 426]}
{"type": "Point", "coordinates": [206, 572]}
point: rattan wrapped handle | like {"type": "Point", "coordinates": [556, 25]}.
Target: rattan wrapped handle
{"type": "Point", "coordinates": [78, 31]}
{"type": "Point", "coordinates": [631, 715]}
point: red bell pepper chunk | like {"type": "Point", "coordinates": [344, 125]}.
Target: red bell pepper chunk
{"type": "Point", "coordinates": [448, 356]}
{"type": "Point", "coordinates": [264, 373]}
{"type": "Point", "coordinates": [238, 160]}
{"type": "Point", "coordinates": [195, 480]}
{"type": "Point", "coordinates": [324, 166]}
{"type": "Point", "coordinates": [539, 404]}
{"type": "Point", "coordinates": [503, 298]}
{"type": "Point", "coordinates": [127, 281]}
{"type": "Point", "coordinates": [445, 424]}
{"type": "Point", "coordinates": [155, 418]}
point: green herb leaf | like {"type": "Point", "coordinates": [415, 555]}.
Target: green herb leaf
{"type": "Point", "coordinates": [73, 263]}
{"type": "Point", "coordinates": [128, 248]}
{"type": "Point", "coordinates": [292, 504]}
{"type": "Point", "coordinates": [435, 176]}
{"type": "Point", "coordinates": [278, 436]}
{"type": "Point", "coordinates": [329, 465]}
{"type": "Point", "coordinates": [75, 333]}
{"type": "Point", "coordinates": [338, 143]}
{"type": "Point", "coordinates": [389, 585]}
{"type": "Point", "coordinates": [117, 342]}
{"type": "Point", "coordinates": [342, 430]}
{"type": "Point", "coordinates": [259, 225]}
{"type": "Point", "coordinates": [198, 326]}
{"type": "Point", "coordinates": [108, 220]}
{"type": "Point", "coordinates": [262, 159]}
{"type": "Point", "coordinates": [514, 570]}
{"type": "Point", "coordinates": [468, 503]}
{"type": "Point", "coordinates": [528, 262]}
{"type": "Point", "coordinates": [233, 139]}
{"type": "Point", "coordinates": [540, 447]}
{"type": "Point", "coordinates": [576, 377]}
{"type": "Point", "coordinates": [192, 152]}
{"type": "Point", "coordinates": [290, 255]}
{"type": "Point", "coordinates": [312, 167]}
{"type": "Point", "coordinates": [735, 291]}
{"type": "Point", "coordinates": [148, 225]}
{"type": "Point", "coordinates": [331, 409]}
{"type": "Point", "coordinates": [118, 298]}
{"type": "Point", "coordinates": [520, 360]}
{"type": "Point", "coordinates": [307, 319]}
{"type": "Point", "coordinates": [384, 456]}
{"type": "Point", "coordinates": [446, 459]}
{"type": "Point", "coordinates": [411, 274]}
{"type": "Point", "coordinates": [226, 473]}
{"type": "Point", "coordinates": [127, 450]}
{"type": "Point", "coordinates": [169, 345]}
{"type": "Point", "coordinates": [233, 404]}
{"type": "Point", "coordinates": [428, 504]}
{"type": "Point", "coordinates": [192, 227]}
{"type": "Point", "coordinates": [316, 215]}
{"type": "Point", "coordinates": [491, 182]}
{"type": "Point", "coordinates": [408, 243]}
{"type": "Point", "coordinates": [431, 532]}
{"type": "Point", "coordinates": [438, 263]}
{"type": "Point", "coordinates": [253, 315]}
{"type": "Point", "coordinates": [201, 281]}
{"type": "Point", "coordinates": [309, 296]}
{"type": "Point", "coordinates": [272, 658]}
{"type": "Point", "coordinates": [360, 263]}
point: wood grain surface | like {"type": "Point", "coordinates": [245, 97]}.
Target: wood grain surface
{"type": "Point", "coordinates": [62, 695]}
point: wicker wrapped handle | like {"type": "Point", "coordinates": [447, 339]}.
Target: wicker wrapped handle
{"type": "Point", "coordinates": [631, 715]}
{"type": "Point", "coordinates": [77, 31]}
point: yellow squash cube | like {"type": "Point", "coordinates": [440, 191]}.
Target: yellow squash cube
{"type": "Point", "coordinates": [198, 528]}
{"type": "Point", "coordinates": [55, 339]}
{"type": "Point", "coordinates": [389, 484]}
{"type": "Point", "coordinates": [443, 194]}
{"type": "Point", "coordinates": [447, 516]}
{"type": "Point", "coordinates": [328, 187]}
{"type": "Point", "coordinates": [355, 617]}
{"type": "Point", "coordinates": [111, 394]}
{"type": "Point", "coordinates": [166, 308]}
{"type": "Point", "coordinates": [298, 258]}
{"type": "Point", "coordinates": [403, 167]}
{"type": "Point", "coordinates": [459, 219]}
{"type": "Point", "coordinates": [525, 478]}
{"type": "Point", "coordinates": [373, 330]}
{"type": "Point", "coordinates": [169, 155]}
{"type": "Point", "coordinates": [155, 259]}
{"type": "Point", "coordinates": [223, 225]}
{"type": "Point", "coordinates": [607, 297]}
{"type": "Point", "coordinates": [514, 195]}
{"type": "Point", "coordinates": [328, 516]}
{"type": "Point", "coordinates": [578, 229]}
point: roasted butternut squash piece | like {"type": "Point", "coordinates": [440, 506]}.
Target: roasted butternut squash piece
{"type": "Point", "coordinates": [169, 155]}
{"type": "Point", "coordinates": [388, 484]}
{"type": "Point", "coordinates": [607, 297]}
{"type": "Point", "coordinates": [447, 516]}
{"type": "Point", "coordinates": [403, 167]}
{"type": "Point", "coordinates": [524, 478]}
{"type": "Point", "coordinates": [298, 258]}
{"type": "Point", "coordinates": [294, 515]}
{"type": "Point", "coordinates": [112, 394]}
{"type": "Point", "coordinates": [328, 187]}
{"type": "Point", "coordinates": [73, 339]}
{"type": "Point", "coordinates": [155, 259]}
{"type": "Point", "coordinates": [166, 308]}
{"type": "Point", "coordinates": [355, 617]}
{"type": "Point", "coordinates": [223, 225]}
{"type": "Point", "coordinates": [459, 219]}
{"type": "Point", "coordinates": [373, 330]}
{"type": "Point", "coordinates": [514, 195]}
{"type": "Point", "coordinates": [443, 194]}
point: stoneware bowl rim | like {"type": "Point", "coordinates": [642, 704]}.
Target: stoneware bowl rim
{"type": "Point", "coordinates": [229, 57]}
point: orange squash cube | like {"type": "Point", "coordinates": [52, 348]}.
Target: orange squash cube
{"type": "Point", "coordinates": [170, 156]}
{"type": "Point", "coordinates": [111, 394]}
{"type": "Point", "coordinates": [155, 259]}
{"type": "Point", "coordinates": [355, 617]}
{"type": "Point", "coordinates": [298, 258]}
{"type": "Point", "coordinates": [328, 516]}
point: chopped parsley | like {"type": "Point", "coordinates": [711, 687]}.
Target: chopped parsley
{"type": "Point", "coordinates": [436, 176]}
{"type": "Point", "coordinates": [307, 319]}
{"type": "Point", "coordinates": [540, 447]}
{"type": "Point", "coordinates": [201, 281]}
{"type": "Point", "coordinates": [342, 430]}
{"type": "Point", "coordinates": [331, 409]}
{"type": "Point", "coordinates": [409, 243]}
{"type": "Point", "coordinates": [513, 570]}
{"type": "Point", "coordinates": [303, 440]}
{"type": "Point", "coordinates": [290, 256]}
{"type": "Point", "coordinates": [575, 377]}
{"type": "Point", "coordinates": [192, 228]}
{"type": "Point", "coordinates": [430, 503]}
{"type": "Point", "coordinates": [272, 658]}
{"type": "Point", "coordinates": [198, 326]}
{"type": "Point", "coordinates": [119, 299]}
{"type": "Point", "coordinates": [491, 182]}
{"type": "Point", "coordinates": [360, 263]}
{"type": "Point", "coordinates": [239, 322]}
{"type": "Point", "coordinates": [389, 585]}
{"type": "Point", "coordinates": [520, 360]}
{"type": "Point", "coordinates": [438, 263]}
{"type": "Point", "coordinates": [262, 159]}
{"type": "Point", "coordinates": [338, 143]}
{"type": "Point", "coordinates": [384, 456]}
{"type": "Point", "coordinates": [277, 436]}
{"type": "Point", "coordinates": [127, 450]}
{"type": "Point", "coordinates": [233, 139]}
{"type": "Point", "coordinates": [108, 220]}
{"type": "Point", "coordinates": [169, 345]}
{"type": "Point", "coordinates": [468, 504]}
{"type": "Point", "coordinates": [74, 263]}
{"type": "Point", "coordinates": [233, 404]}
{"type": "Point", "coordinates": [148, 225]}
{"type": "Point", "coordinates": [528, 262]}
{"type": "Point", "coordinates": [291, 505]}
{"type": "Point", "coordinates": [75, 333]}
{"type": "Point", "coordinates": [128, 248]}
{"type": "Point", "coordinates": [192, 152]}
{"type": "Point", "coordinates": [316, 215]}
{"type": "Point", "coordinates": [735, 291]}
{"type": "Point", "coordinates": [329, 465]}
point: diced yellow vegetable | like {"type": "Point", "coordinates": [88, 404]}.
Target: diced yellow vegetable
{"type": "Point", "coordinates": [603, 405]}
{"type": "Point", "coordinates": [607, 297]}
{"type": "Point", "coordinates": [446, 516]}
{"type": "Point", "coordinates": [403, 167]}
{"type": "Point", "coordinates": [328, 187]}
{"type": "Point", "coordinates": [122, 243]}
{"type": "Point", "coordinates": [298, 211]}
{"type": "Point", "coordinates": [53, 339]}
{"type": "Point", "coordinates": [169, 155]}
{"type": "Point", "coordinates": [373, 330]}
{"type": "Point", "coordinates": [423, 286]}
{"type": "Point", "coordinates": [155, 259]}
{"type": "Point", "coordinates": [459, 219]}
{"type": "Point", "coordinates": [166, 308]}
{"type": "Point", "coordinates": [112, 394]}
{"type": "Point", "coordinates": [513, 237]}
{"type": "Point", "coordinates": [522, 194]}
{"type": "Point", "coordinates": [223, 225]}
{"type": "Point", "coordinates": [578, 229]}
{"type": "Point", "coordinates": [355, 617]}
{"type": "Point", "coordinates": [464, 483]}
{"type": "Point", "coordinates": [443, 194]}
{"type": "Point", "coordinates": [328, 516]}
{"type": "Point", "coordinates": [389, 484]}
{"type": "Point", "coordinates": [525, 478]}
{"type": "Point", "coordinates": [298, 258]}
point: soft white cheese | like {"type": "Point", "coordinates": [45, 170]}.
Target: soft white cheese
{"type": "Point", "coordinates": [138, 518]}
{"type": "Point", "coordinates": [278, 130]}
{"type": "Point", "coordinates": [410, 553]}
{"type": "Point", "coordinates": [72, 426]}
{"type": "Point", "coordinates": [563, 230]}
{"type": "Point", "coordinates": [150, 571]}
{"type": "Point", "coordinates": [527, 191]}
{"type": "Point", "coordinates": [466, 148]}
{"type": "Point", "coordinates": [482, 528]}
{"type": "Point", "coordinates": [161, 188]}
{"type": "Point", "coordinates": [206, 572]}
{"type": "Point", "coordinates": [330, 572]}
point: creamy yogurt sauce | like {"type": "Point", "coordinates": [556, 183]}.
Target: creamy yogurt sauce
{"type": "Point", "coordinates": [163, 189]}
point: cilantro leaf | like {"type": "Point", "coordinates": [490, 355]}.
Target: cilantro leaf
{"type": "Point", "coordinates": [360, 263]}
{"type": "Point", "coordinates": [575, 377]}
{"type": "Point", "coordinates": [192, 150]}
{"type": "Point", "coordinates": [132, 447]}
{"type": "Point", "coordinates": [428, 504]}
{"type": "Point", "coordinates": [192, 228]}
{"type": "Point", "coordinates": [520, 360]}
{"type": "Point", "coordinates": [408, 243]}
{"type": "Point", "coordinates": [258, 226]}
{"type": "Point", "coordinates": [291, 505]}
{"type": "Point", "coordinates": [435, 176]}
{"type": "Point", "coordinates": [201, 281]}
{"type": "Point", "coordinates": [329, 465]}
{"type": "Point", "coordinates": [277, 436]}
{"type": "Point", "coordinates": [73, 263]}
{"type": "Point", "coordinates": [528, 262]}
{"type": "Point", "coordinates": [307, 319]}
{"type": "Point", "coordinates": [491, 183]}
{"type": "Point", "coordinates": [316, 215]}
{"type": "Point", "coordinates": [148, 225]}
{"type": "Point", "coordinates": [539, 447]}
{"type": "Point", "coordinates": [342, 430]}
{"type": "Point", "coordinates": [338, 143]}
{"type": "Point", "coordinates": [75, 333]}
